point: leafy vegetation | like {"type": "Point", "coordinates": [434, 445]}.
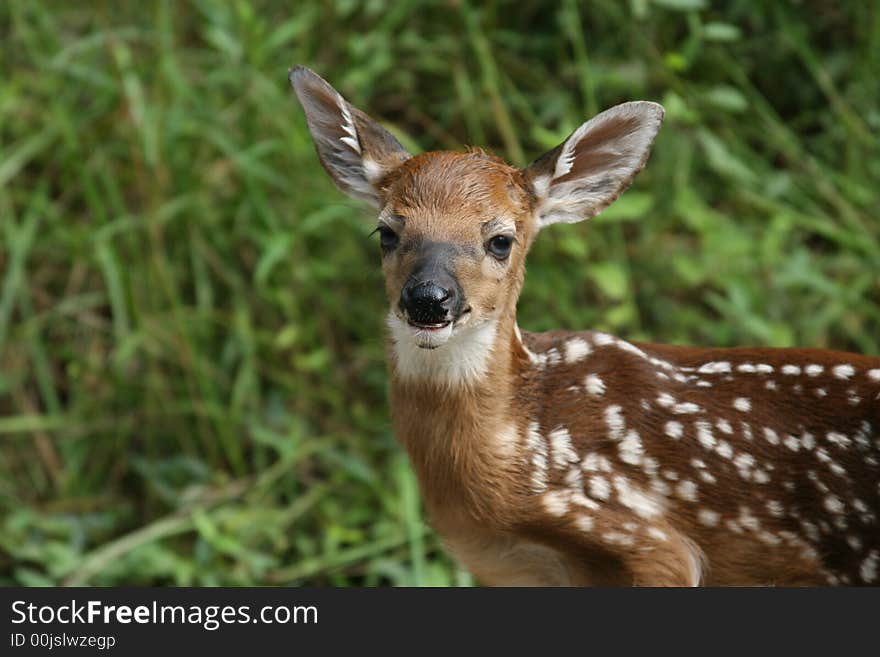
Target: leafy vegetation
{"type": "Point", "coordinates": [192, 387]}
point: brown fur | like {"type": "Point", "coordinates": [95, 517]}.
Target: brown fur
{"type": "Point", "coordinates": [773, 479]}
{"type": "Point", "coordinates": [476, 496]}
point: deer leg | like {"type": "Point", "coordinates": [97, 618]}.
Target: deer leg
{"type": "Point", "coordinates": [674, 561]}
{"type": "Point", "coordinates": [617, 550]}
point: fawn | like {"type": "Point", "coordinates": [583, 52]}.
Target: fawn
{"type": "Point", "coordinates": [567, 458]}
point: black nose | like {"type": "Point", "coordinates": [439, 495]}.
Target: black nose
{"type": "Point", "coordinates": [427, 303]}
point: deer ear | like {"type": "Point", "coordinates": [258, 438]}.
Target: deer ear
{"type": "Point", "coordinates": [355, 150]}
{"type": "Point", "coordinates": [589, 170]}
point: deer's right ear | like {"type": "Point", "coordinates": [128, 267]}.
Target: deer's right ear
{"type": "Point", "coordinates": [589, 170]}
{"type": "Point", "coordinates": [355, 150]}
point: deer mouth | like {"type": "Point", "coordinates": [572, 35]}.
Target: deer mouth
{"type": "Point", "coordinates": [428, 335]}
{"type": "Point", "coordinates": [437, 326]}
{"type": "Point", "coordinates": [429, 326]}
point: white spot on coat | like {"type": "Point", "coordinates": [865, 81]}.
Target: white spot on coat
{"type": "Point", "coordinates": [594, 385]}
{"type": "Point", "coordinates": [687, 490]}
{"type": "Point", "coordinates": [665, 400]}
{"type": "Point", "coordinates": [843, 371]}
{"type": "Point", "coordinates": [560, 447]}
{"type": "Point", "coordinates": [833, 504]}
{"type": "Point", "coordinates": [721, 367]}
{"type": "Point", "coordinates": [535, 444]}
{"type": "Point", "coordinates": [575, 350]}
{"type": "Point", "coordinates": [574, 480]}
{"type": "Point", "coordinates": [748, 520]}
{"type": "Point", "coordinates": [619, 538]}
{"type": "Point", "coordinates": [708, 517]}
{"type": "Point", "coordinates": [594, 462]}
{"type": "Point", "coordinates": [685, 408]}
{"type": "Point", "coordinates": [534, 441]}
{"type": "Point", "coordinates": [643, 504]}
{"type": "Point", "coordinates": [673, 429]}
{"type": "Point", "coordinates": [724, 449]}
{"type": "Point", "coordinates": [556, 502]}
{"type": "Point", "coordinates": [603, 339]}
{"type": "Point", "coordinates": [657, 534]}
{"type": "Point", "coordinates": [742, 404]}
{"type": "Point", "coordinates": [539, 473]}
{"type": "Point", "coordinates": [808, 441]}
{"type": "Point", "coordinates": [705, 435]}
{"type": "Point", "coordinates": [584, 524]}
{"type": "Point", "coordinates": [615, 422]}
{"type": "Point", "coordinates": [814, 370]}
{"type": "Point", "coordinates": [661, 487]}
{"type": "Point", "coordinates": [599, 487]}
{"type": "Point", "coordinates": [631, 348]}
{"type": "Point", "coordinates": [590, 462]}
{"type": "Point", "coordinates": [630, 448]}
{"type": "Point", "coordinates": [760, 477]}
{"type": "Point", "coordinates": [582, 500]}
{"type": "Point", "coordinates": [868, 569]}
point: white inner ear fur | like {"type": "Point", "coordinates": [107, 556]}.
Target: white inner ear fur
{"type": "Point", "coordinates": [373, 170]}
{"type": "Point", "coordinates": [348, 126]}
{"type": "Point", "coordinates": [623, 156]}
{"type": "Point", "coordinates": [461, 360]}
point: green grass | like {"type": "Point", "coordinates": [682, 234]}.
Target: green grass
{"type": "Point", "coordinates": [192, 387]}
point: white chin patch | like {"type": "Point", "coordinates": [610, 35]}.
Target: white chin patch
{"type": "Point", "coordinates": [430, 338]}
{"type": "Point", "coordinates": [452, 355]}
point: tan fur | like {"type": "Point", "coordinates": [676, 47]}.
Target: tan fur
{"type": "Point", "coordinates": [427, 191]}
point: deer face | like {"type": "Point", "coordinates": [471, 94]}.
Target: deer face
{"type": "Point", "coordinates": [453, 234]}
{"type": "Point", "coordinates": [454, 228]}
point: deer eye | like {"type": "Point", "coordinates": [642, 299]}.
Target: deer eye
{"type": "Point", "coordinates": [499, 246]}
{"type": "Point", "coordinates": [387, 238]}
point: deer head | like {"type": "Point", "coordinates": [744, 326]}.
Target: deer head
{"type": "Point", "coordinates": [454, 228]}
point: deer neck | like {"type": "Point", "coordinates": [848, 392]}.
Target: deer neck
{"type": "Point", "coordinates": [455, 414]}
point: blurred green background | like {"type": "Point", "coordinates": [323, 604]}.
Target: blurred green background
{"type": "Point", "coordinates": [192, 386]}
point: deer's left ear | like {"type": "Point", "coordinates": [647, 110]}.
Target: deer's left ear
{"type": "Point", "coordinates": [589, 170]}
{"type": "Point", "coordinates": [355, 150]}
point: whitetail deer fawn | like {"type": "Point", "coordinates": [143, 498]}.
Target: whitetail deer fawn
{"type": "Point", "coordinates": [579, 458]}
